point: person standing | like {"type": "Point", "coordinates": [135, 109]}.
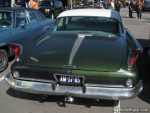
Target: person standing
{"type": "Point", "coordinates": [23, 3]}
{"type": "Point", "coordinates": [112, 5]}
{"type": "Point", "coordinates": [30, 3]}
{"type": "Point", "coordinates": [64, 3]}
{"type": "Point", "coordinates": [131, 9]}
{"type": "Point", "coordinates": [34, 4]}
{"type": "Point", "coordinates": [117, 5]}
{"type": "Point", "coordinates": [139, 8]}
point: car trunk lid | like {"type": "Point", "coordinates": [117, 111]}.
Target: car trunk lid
{"type": "Point", "coordinates": [77, 51]}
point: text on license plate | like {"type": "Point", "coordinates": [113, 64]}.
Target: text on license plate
{"type": "Point", "coordinates": [67, 79]}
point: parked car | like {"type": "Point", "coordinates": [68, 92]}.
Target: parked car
{"type": "Point", "coordinates": [86, 54]}
{"type": "Point", "coordinates": [18, 25]}
{"type": "Point", "coordinates": [146, 5]}
{"type": "Point", "coordinates": [51, 8]}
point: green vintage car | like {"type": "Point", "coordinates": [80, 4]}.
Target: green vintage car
{"type": "Point", "coordinates": [87, 53]}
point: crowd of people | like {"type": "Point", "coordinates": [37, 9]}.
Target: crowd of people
{"type": "Point", "coordinates": [135, 7]}
{"type": "Point", "coordinates": [112, 4]}
{"type": "Point", "coordinates": [31, 4]}
{"type": "Point", "coordinates": [108, 4]}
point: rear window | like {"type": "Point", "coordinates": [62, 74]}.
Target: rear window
{"type": "Point", "coordinates": [108, 25]}
{"type": "Point", "coordinates": [6, 19]}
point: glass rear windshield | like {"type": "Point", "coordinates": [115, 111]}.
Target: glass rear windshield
{"type": "Point", "coordinates": [84, 23]}
{"type": "Point", "coordinates": [5, 19]}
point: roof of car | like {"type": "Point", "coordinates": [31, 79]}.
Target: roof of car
{"type": "Point", "coordinates": [14, 8]}
{"type": "Point", "coordinates": [91, 12]}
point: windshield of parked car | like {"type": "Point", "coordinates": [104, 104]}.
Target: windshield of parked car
{"type": "Point", "coordinates": [86, 23]}
{"type": "Point", "coordinates": [5, 19]}
{"type": "Point", "coordinates": [147, 0]}
{"type": "Point", "coordinates": [46, 3]}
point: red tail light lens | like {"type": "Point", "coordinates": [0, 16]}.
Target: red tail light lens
{"type": "Point", "coordinates": [133, 57]}
{"type": "Point", "coordinates": [16, 49]}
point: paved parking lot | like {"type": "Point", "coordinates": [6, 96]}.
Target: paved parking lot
{"type": "Point", "coordinates": [16, 102]}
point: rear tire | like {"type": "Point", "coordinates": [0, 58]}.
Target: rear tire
{"type": "Point", "coordinates": [3, 60]}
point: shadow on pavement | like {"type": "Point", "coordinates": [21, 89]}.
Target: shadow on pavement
{"type": "Point", "coordinates": [11, 58]}
{"type": "Point", "coordinates": [144, 42]}
{"type": "Point", "coordinates": [146, 11]}
{"type": "Point", "coordinates": [144, 72]}
{"type": "Point", "coordinates": [124, 16]}
{"type": "Point", "coordinates": [60, 99]}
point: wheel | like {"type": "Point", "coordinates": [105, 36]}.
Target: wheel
{"type": "Point", "coordinates": [3, 60]}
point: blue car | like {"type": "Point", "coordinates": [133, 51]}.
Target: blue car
{"type": "Point", "coordinates": [21, 26]}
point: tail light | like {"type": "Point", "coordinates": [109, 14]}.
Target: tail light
{"type": "Point", "coordinates": [16, 49]}
{"type": "Point", "coordinates": [133, 57]}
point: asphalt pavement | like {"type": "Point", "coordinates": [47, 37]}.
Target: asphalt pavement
{"type": "Point", "coordinates": [140, 28]}
{"type": "Point", "coordinates": [17, 102]}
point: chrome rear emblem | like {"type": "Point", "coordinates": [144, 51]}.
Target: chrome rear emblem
{"type": "Point", "coordinates": [69, 66]}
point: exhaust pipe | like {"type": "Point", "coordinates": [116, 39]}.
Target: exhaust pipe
{"type": "Point", "coordinates": [69, 99]}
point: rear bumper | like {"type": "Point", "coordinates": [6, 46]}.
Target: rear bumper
{"type": "Point", "coordinates": [88, 91]}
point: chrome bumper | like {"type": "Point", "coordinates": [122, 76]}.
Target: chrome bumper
{"type": "Point", "coordinates": [88, 91]}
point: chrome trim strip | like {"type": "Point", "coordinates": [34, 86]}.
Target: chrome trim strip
{"type": "Point", "coordinates": [75, 48]}
{"type": "Point", "coordinates": [105, 85]}
{"type": "Point", "coordinates": [36, 80]}
{"type": "Point", "coordinates": [112, 93]}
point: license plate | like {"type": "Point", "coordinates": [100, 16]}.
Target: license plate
{"type": "Point", "coordinates": [69, 79]}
